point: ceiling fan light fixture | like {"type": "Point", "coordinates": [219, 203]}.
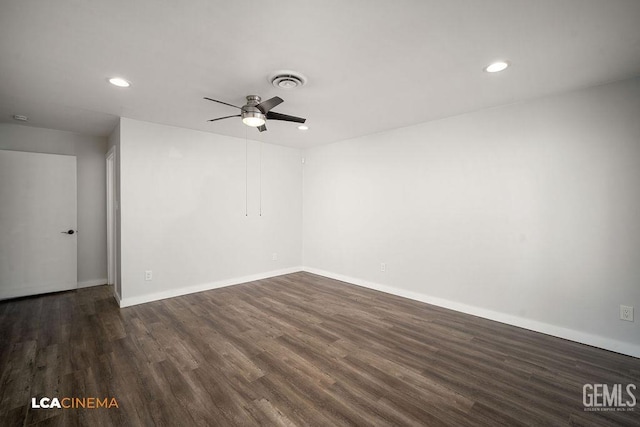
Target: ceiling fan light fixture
{"type": "Point", "coordinates": [253, 121]}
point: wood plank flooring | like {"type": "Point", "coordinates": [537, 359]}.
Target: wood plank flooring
{"type": "Point", "coordinates": [293, 350]}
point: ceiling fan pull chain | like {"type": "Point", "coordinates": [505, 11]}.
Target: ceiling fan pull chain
{"type": "Point", "coordinates": [260, 178]}
{"type": "Point", "coordinates": [246, 174]}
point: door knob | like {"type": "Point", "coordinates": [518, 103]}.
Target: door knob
{"type": "Point", "coordinates": [68, 232]}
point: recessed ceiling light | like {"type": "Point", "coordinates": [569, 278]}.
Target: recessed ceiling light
{"type": "Point", "coordinates": [120, 82]}
{"type": "Point", "coordinates": [20, 117]}
{"type": "Point", "coordinates": [496, 67]}
{"type": "Point", "coordinates": [303, 127]}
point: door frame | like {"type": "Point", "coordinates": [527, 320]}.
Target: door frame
{"type": "Point", "coordinates": [112, 259]}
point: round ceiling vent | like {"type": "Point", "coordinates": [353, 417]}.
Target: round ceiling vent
{"type": "Point", "coordinates": [287, 79]}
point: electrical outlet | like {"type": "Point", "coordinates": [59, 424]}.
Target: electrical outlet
{"type": "Point", "coordinates": [626, 313]}
{"type": "Point", "coordinates": [274, 256]}
{"type": "Point", "coordinates": [148, 275]}
{"type": "Point", "coordinates": [383, 267]}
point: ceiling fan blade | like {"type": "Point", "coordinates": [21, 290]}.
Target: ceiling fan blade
{"type": "Point", "coordinates": [277, 116]}
{"type": "Point", "coordinates": [225, 117]}
{"type": "Point", "coordinates": [262, 128]}
{"type": "Point", "coordinates": [267, 105]}
{"type": "Point", "coordinates": [220, 102]}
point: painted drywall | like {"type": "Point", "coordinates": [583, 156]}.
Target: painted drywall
{"type": "Point", "coordinates": [201, 210]}
{"type": "Point", "coordinates": [90, 152]}
{"type": "Point", "coordinates": [526, 213]}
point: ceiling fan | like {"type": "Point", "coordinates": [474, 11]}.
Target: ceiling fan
{"type": "Point", "coordinates": [256, 113]}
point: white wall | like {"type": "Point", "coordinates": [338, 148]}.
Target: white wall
{"type": "Point", "coordinates": [90, 152]}
{"type": "Point", "coordinates": [183, 210]}
{"type": "Point", "coordinates": [528, 213]}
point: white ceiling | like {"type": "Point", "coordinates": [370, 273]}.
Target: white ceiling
{"type": "Point", "coordinates": [371, 65]}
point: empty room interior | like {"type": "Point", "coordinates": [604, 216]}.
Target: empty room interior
{"type": "Point", "coordinates": [367, 213]}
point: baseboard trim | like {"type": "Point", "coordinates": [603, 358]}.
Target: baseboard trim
{"type": "Point", "coordinates": [28, 291]}
{"type": "Point", "coordinates": [626, 348]}
{"type": "Point", "coordinates": [94, 282]}
{"type": "Point", "coordinates": [170, 293]}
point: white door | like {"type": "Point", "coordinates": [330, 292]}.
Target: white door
{"type": "Point", "coordinates": [38, 217]}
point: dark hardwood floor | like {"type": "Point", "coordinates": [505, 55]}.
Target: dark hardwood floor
{"type": "Point", "coordinates": [298, 349]}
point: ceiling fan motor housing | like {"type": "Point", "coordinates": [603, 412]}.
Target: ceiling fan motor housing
{"type": "Point", "coordinates": [250, 110]}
